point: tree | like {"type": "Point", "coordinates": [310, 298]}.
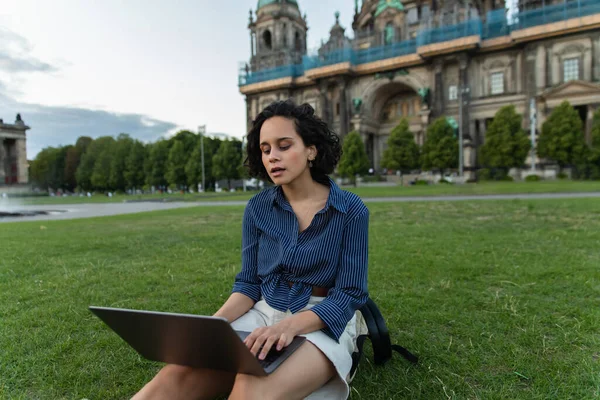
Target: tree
{"type": "Point", "coordinates": [119, 154]}
{"type": "Point", "coordinates": [506, 143]}
{"type": "Point", "coordinates": [193, 167]}
{"type": "Point", "coordinates": [354, 159]}
{"type": "Point", "coordinates": [176, 161]}
{"type": "Point", "coordinates": [225, 163]}
{"type": "Point", "coordinates": [73, 159]}
{"type": "Point", "coordinates": [562, 137]}
{"type": "Point", "coordinates": [157, 162]}
{"type": "Point", "coordinates": [440, 150]}
{"type": "Point", "coordinates": [134, 166]}
{"type": "Point", "coordinates": [188, 139]}
{"type": "Point", "coordinates": [87, 166]}
{"type": "Point", "coordinates": [402, 151]}
{"type": "Point", "coordinates": [100, 178]}
{"type": "Point", "coordinates": [71, 163]}
{"type": "Point", "coordinates": [43, 168]}
{"type": "Point", "coordinates": [594, 157]}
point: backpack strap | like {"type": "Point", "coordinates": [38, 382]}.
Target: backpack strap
{"type": "Point", "coordinates": [384, 335]}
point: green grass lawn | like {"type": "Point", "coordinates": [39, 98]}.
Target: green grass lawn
{"type": "Point", "coordinates": [501, 300]}
{"type": "Point", "coordinates": [484, 188]}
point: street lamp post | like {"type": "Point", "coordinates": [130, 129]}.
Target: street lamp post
{"type": "Point", "coordinates": [202, 132]}
{"type": "Point", "coordinates": [461, 99]}
{"type": "Point", "coordinates": [532, 127]}
{"type": "Point", "coordinates": [243, 177]}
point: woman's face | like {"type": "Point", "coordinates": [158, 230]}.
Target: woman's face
{"type": "Point", "coordinates": [284, 154]}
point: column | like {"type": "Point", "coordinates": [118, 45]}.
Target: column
{"type": "Point", "coordinates": [587, 64]}
{"type": "Point", "coordinates": [596, 57]}
{"type": "Point", "coordinates": [344, 120]}
{"type": "Point", "coordinates": [464, 88]}
{"type": "Point", "coordinates": [324, 102]}
{"type": "Point", "coordinates": [22, 173]}
{"type": "Point", "coordinates": [588, 124]}
{"type": "Point", "coordinates": [2, 162]}
{"type": "Point", "coordinates": [541, 69]}
{"type": "Point", "coordinates": [555, 68]}
{"type": "Point", "coordinates": [438, 91]}
{"type": "Point", "coordinates": [482, 131]}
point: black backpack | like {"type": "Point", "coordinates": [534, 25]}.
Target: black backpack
{"type": "Point", "coordinates": [380, 339]}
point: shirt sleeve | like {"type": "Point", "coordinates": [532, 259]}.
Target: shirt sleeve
{"type": "Point", "coordinates": [350, 290]}
{"type": "Point", "coordinates": [247, 280]}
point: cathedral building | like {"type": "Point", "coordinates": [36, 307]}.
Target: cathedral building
{"type": "Point", "coordinates": [424, 59]}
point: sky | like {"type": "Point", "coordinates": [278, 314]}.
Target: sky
{"type": "Point", "coordinates": [144, 67]}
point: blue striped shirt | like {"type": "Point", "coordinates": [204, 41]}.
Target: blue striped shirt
{"type": "Point", "coordinates": [332, 252]}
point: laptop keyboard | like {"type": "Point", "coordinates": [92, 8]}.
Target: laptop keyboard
{"type": "Point", "coordinates": [272, 355]}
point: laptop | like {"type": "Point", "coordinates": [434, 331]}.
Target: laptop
{"type": "Point", "coordinates": [191, 340]}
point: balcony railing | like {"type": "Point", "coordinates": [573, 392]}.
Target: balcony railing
{"type": "Point", "coordinates": [496, 24]}
{"type": "Point", "coordinates": [555, 13]}
{"type": "Point", "coordinates": [333, 57]}
{"type": "Point", "coordinates": [388, 51]}
{"type": "Point", "coordinates": [290, 70]}
{"type": "Point", "coordinates": [446, 33]}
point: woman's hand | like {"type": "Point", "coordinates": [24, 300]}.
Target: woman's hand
{"type": "Point", "coordinates": [279, 335]}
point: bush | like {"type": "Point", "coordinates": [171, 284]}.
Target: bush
{"type": "Point", "coordinates": [484, 174]}
{"type": "Point", "coordinates": [506, 178]}
{"type": "Point", "coordinates": [373, 178]}
{"type": "Point", "coordinates": [445, 181]}
{"type": "Point", "coordinates": [533, 178]}
{"type": "Point", "coordinates": [562, 175]}
{"type": "Point", "coordinates": [421, 182]}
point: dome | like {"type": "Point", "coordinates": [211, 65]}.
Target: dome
{"type": "Point", "coordinates": [262, 3]}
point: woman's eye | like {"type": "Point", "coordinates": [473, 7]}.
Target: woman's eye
{"type": "Point", "coordinates": [285, 147]}
{"type": "Point", "coordinates": [266, 151]}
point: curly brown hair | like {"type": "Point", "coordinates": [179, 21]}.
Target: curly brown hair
{"type": "Point", "coordinates": [312, 130]}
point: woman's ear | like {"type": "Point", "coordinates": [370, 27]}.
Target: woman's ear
{"type": "Point", "coordinates": [312, 152]}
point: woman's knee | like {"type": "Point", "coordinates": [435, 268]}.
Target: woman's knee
{"type": "Point", "coordinates": [177, 373]}
{"type": "Point", "coordinates": [248, 387]}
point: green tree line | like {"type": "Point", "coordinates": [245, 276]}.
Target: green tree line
{"type": "Point", "coordinates": [124, 163]}
{"type": "Point", "coordinates": [507, 145]}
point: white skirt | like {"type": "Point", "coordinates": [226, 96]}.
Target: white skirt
{"type": "Point", "coordinates": [340, 354]}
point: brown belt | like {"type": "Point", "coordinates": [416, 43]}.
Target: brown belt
{"type": "Point", "coordinates": [317, 291]}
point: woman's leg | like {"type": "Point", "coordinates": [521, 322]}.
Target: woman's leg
{"type": "Point", "coordinates": [178, 382]}
{"type": "Point", "coordinates": [304, 372]}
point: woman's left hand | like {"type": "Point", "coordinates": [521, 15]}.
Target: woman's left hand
{"type": "Point", "coordinates": [279, 335]}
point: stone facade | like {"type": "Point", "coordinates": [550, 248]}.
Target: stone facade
{"type": "Point", "coordinates": [13, 153]}
{"type": "Point", "coordinates": [546, 63]}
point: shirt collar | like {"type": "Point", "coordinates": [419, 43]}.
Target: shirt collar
{"type": "Point", "coordinates": [335, 199]}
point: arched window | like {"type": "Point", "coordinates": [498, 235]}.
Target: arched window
{"type": "Point", "coordinates": [267, 39]}
{"type": "Point", "coordinates": [297, 41]}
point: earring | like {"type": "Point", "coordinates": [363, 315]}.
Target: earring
{"type": "Point", "coordinates": [310, 164]}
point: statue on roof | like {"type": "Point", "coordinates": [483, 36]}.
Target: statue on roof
{"type": "Point", "coordinates": [385, 4]}
{"type": "Point", "coordinates": [18, 118]}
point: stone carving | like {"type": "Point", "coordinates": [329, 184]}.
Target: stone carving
{"type": "Point", "coordinates": [391, 74]}
{"type": "Point", "coordinates": [356, 104]}
{"type": "Point", "coordinates": [424, 93]}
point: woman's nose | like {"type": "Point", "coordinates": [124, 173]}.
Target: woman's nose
{"type": "Point", "coordinates": [273, 155]}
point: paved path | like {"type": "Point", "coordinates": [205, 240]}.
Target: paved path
{"type": "Point", "coordinates": [71, 211]}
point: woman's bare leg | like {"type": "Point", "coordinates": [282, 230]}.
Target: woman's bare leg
{"type": "Point", "coordinates": [178, 382]}
{"type": "Point", "coordinates": [304, 372]}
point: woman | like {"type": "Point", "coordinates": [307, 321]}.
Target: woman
{"type": "Point", "coordinates": [304, 268]}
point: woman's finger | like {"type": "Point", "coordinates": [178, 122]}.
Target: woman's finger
{"type": "Point", "coordinates": [267, 346]}
{"type": "Point", "coordinates": [258, 344]}
{"type": "Point", "coordinates": [282, 342]}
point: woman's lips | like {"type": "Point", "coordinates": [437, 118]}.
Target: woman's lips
{"type": "Point", "coordinates": [275, 172]}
